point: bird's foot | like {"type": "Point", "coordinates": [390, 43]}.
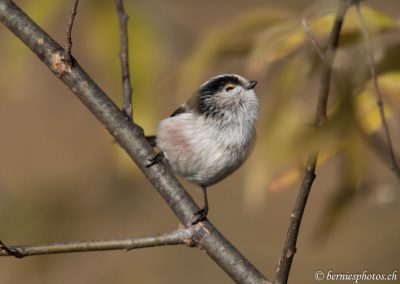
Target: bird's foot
{"type": "Point", "coordinates": [200, 215]}
{"type": "Point", "coordinates": [156, 159]}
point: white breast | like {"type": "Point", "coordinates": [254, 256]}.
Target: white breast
{"type": "Point", "coordinates": [205, 151]}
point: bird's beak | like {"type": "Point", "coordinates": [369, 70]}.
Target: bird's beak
{"type": "Point", "coordinates": [251, 85]}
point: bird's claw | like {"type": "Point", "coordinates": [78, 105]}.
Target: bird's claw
{"type": "Point", "coordinates": [200, 215]}
{"type": "Point", "coordinates": [156, 159]}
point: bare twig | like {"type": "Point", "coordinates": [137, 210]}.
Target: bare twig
{"type": "Point", "coordinates": [124, 56]}
{"type": "Point", "coordinates": [319, 49]}
{"type": "Point", "coordinates": [131, 138]}
{"type": "Point", "coordinates": [68, 41]}
{"type": "Point", "coordinates": [377, 144]}
{"type": "Point", "coordinates": [289, 250]}
{"type": "Point", "coordinates": [178, 237]}
{"type": "Point", "coordinates": [368, 50]}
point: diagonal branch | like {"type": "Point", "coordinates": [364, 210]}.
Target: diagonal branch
{"type": "Point", "coordinates": [377, 144]}
{"type": "Point", "coordinates": [131, 138]}
{"type": "Point", "coordinates": [124, 56]}
{"type": "Point", "coordinates": [289, 250]}
{"type": "Point", "coordinates": [368, 50]}
{"type": "Point", "coordinates": [178, 237]}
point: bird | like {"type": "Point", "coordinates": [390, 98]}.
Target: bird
{"type": "Point", "coordinates": [211, 135]}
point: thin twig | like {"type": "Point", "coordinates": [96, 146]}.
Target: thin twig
{"type": "Point", "coordinates": [377, 144]}
{"type": "Point", "coordinates": [289, 250]}
{"type": "Point", "coordinates": [124, 56]}
{"type": "Point", "coordinates": [68, 41]}
{"type": "Point", "coordinates": [319, 49]}
{"type": "Point", "coordinates": [178, 237]}
{"type": "Point", "coordinates": [131, 138]}
{"type": "Point", "coordinates": [368, 50]}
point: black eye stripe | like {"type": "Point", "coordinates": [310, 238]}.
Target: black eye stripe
{"type": "Point", "coordinates": [206, 103]}
{"type": "Point", "coordinates": [218, 84]}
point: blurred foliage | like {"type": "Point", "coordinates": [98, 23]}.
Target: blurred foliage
{"type": "Point", "coordinates": [272, 46]}
{"type": "Point", "coordinates": [145, 59]}
{"type": "Point", "coordinates": [232, 39]}
{"type": "Point", "coordinates": [366, 104]}
{"type": "Point", "coordinates": [267, 35]}
{"type": "Point", "coordinates": [352, 165]}
{"type": "Point", "coordinates": [100, 196]}
{"type": "Point", "coordinates": [279, 52]}
{"type": "Point", "coordinates": [285, 39]}
{"type": "Point", "coordinates": [15, 53]}
{"type": "Point", "coordinates": [96, 35]}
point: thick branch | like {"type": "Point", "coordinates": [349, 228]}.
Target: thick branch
{"type": "Point", "coordinates": [368, 49]}
{"type": "Point", "coordinates": [289, 250]}
{"type": "Point", "coordinates": [124, 56]}
{"type": "Point", "coordinates": [130, 137]}
{"type": "Point", "coordinates": [178, 237]}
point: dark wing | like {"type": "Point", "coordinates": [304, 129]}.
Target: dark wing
{"type": "Point", "coordinates": [191, 105]}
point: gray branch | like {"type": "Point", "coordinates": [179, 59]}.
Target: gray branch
{"type": "Point", "coordinates": [68, 41]}
{"type": "Point", "coordinates": [368, 50]}
{"type": "Point", "coordinates": [131, 138]}
{"type": "Point", "coordinates": [289, 250]}
{"type": "Point", "coordinates": [124, 57]}
{"type": "Point", "coordinates": [178, 237]}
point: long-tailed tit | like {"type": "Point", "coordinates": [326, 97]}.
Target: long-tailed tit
{"type": "Point", "coordinates": [211, 135]}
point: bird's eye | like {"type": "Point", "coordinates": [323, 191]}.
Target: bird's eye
{"type": "Point", "coordinates": [229, 87]}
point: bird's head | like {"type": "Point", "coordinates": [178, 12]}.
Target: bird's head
{"type": "Point", "coordinates": [228, 93]}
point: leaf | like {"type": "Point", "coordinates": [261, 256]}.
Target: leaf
{"type": "Point", "coordinates": [389, 84]}
{"type": "Point", "coordinates": [285, 38]}
{"type": "Point", "coordinates": [230, 39]}
{"type": "Point", "coordinates": [366, 102]}
{"type": "Point", "coordinates": [285, 179]}
{"type": "Point", "coordinates": [266, 36]}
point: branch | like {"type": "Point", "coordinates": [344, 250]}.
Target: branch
{"type": "Point", "coordinates": [318, 48]}
{"type": "Point", "coordinates": [124, 56]}
{"type": "Point", "coordinates": [178, 237]}
{"type": "Point", "coordinates": [368, 50]}
{"type": "Point", "coordinates": [68, 41]}
{"type": "Point", "coordinates": [377, 144]}
{"type": "Point", "coordinates": [131, 138]}
{"type": "Point", "coordinates": [289, 250]}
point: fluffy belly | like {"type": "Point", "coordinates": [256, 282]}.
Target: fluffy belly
{"type": "Point", "coordinates": [204, 166]}
{"type": "Point", "coordinates": [210, 167]}
{"type": "Point", "coordinates": [202, 155]}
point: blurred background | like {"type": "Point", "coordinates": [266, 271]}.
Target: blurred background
{"type": "Point", "coordinates": [62, 178]}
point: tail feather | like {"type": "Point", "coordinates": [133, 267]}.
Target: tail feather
{"type": "Point", "coordinates": [152, 140]}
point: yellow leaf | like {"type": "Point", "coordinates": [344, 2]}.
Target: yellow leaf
{"type": "Point", "coordinates": [285, 38]}
{"type": "Point", "coordinates": [285, 179]}
{"type": "Point", "coordinates": [366, 102]}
